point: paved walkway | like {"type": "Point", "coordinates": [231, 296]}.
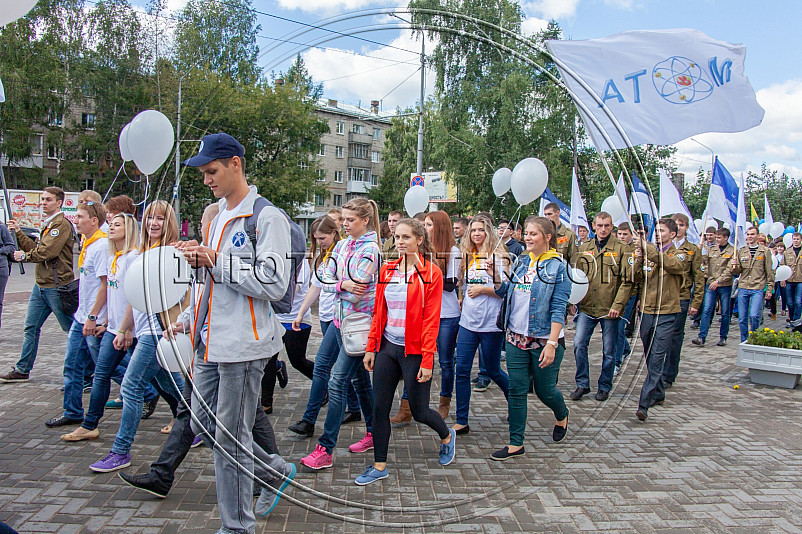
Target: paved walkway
{"type": "Point", "coordinates": [712, 459]}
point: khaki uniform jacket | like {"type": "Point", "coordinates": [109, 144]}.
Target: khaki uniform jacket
{"type": "Point", "coordinates": [54, 247]}
{"type": "Point", "coordinates": [705, 250]}
{"type": "Point", "coordinates": [717, 265]}
{"type": "Point", "coordinates": [693, 277]}
{"type": "Point", "coordinates": [756, 272]}
{"type": "Point", "coordinates": [609, 286]}
{"type": "Point", "coordinates": [661, 275]}
{"type": "Point", "coordinates": [795, 263]}
{"type": "Point", "coordinates": [566, 244]}
{"type": "Point", "coordinates": [629, 265]}
{"type": "Point", "coordinates": [389, 253]}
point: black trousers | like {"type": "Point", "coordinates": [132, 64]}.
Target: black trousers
{"type": "Point", "coordinates": [390, 366]}
{"type": "Point", "coordinates": [179, 441]}
{"type": "Point", "coordinates": [295, 344]}
{"type": "Point", "coordinates": [656, 332]}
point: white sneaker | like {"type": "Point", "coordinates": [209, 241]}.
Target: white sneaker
{"type": "Point", "coordinates": [617, 371]}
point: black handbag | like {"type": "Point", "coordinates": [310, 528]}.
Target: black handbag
{"type": "Point", "coordinates": [67, 294]}
{"type": "Point", "coordinates": [502, 314]}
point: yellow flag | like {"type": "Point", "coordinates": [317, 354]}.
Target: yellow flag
{"type": "Point", "coordinates": [755, 218]}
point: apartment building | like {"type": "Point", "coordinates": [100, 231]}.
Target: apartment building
{"type": "Point", "coordinates": [350, 155]}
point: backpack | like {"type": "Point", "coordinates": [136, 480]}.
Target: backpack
{"type": "Point", "coordinates": [297, 247]}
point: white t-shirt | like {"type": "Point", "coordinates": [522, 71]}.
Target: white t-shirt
{"type": "Point", "coordinates": [395, 296]}
{"type": "Point", "coordinates": [223, 218]}
{"type": "Point", "coordinates": [450, 304]}
{"type": "Point", "coordinates": [90, 272]}
{"type": "Point", "coordinates": [116, 303]}
{"type": "Point", "coordinates": [301, 289]}
{"type": "Point", "coordinates": [521, 296]}
{"type": "Point", "coordinates": [325, 309]}
{"type": "Point", "coordinates": [479, 314]}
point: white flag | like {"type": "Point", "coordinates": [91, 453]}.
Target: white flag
{"type": "Point", "coordinates": [740, 223]}
{"type": "Point", "coordinates": [767, 216]}
{"type": "Point", "coordinates": [2, 93]}
{"type": "Point", "coordinates": [671, 202]}
{"type": "Point", "coordinates": [578, 216]}
{"type": "Point", "coordinates": [660, 86]}
{"type": "Point", "coordinates": [621, 191]}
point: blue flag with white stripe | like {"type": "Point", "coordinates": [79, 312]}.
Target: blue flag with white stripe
{"type": "Point", "coordinates": [642, 204]}
{"type": "Point", "coordinates": [565, 212]}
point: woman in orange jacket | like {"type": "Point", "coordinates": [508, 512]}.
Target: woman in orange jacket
{"type": "Point", "coordinates": [402, 342]}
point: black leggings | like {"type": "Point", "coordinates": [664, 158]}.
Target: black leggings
{"type": "Point", "coordinates": [390, 366]}
{"type": "Point", "coordinates": [295, 344]}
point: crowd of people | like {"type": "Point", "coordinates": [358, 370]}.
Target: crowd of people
{"type": "Point", "coordinates": [390, 295]}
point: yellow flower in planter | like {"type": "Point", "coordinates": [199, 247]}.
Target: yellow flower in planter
{"type": "Point", "coordinates": [765, 329]}
{"type": "Point", "coordinates": [773, 332]}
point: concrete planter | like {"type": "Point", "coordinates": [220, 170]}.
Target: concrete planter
{"type": "Point", "coordinates": [771, 365]}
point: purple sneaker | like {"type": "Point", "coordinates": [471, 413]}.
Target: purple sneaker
{"type": "Point", "coordinates": [197, 442]}
{"type": "Point", "coordinates": [112, 462]}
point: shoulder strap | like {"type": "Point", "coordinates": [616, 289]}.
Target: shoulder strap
{"type": "Point", "coordinates": [250, 224]}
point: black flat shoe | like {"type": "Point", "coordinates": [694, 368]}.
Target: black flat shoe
{"type": "Point", "coordinates": [721, 342]}
{"type": "Point", "coordinates": [656, 403]}
{"type": "Point", "coordinates": [351, 417]}
{"type": "Point", "coordinates": [578, 393]}
{"type": "Point", "coordinates": [559, 432]}
{"type": "Point", "coordinates": [146, 482]}
{"type": "Point", "coordinates": [63, 421]}
{"type": "Point", "coordinates": [464, 430]}
{"type": "Point", "coordinates": [281, 373]}
{"type": "Point", "coordinates": [302, 428]}
{"type": "Point", "coordinates": [505, 454]}
{"type": "Point", "coordinates": [149, 407]}
{"type": "Point", "coordinates": [602, 395]}
{"type": "Point", "coordinates": [641, 414]}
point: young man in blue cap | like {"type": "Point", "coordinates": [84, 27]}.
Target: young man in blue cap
{"type": "Point", "coordinates": [236, 331]}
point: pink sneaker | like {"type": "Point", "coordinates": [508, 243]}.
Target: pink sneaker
{"type": "Point", "coordinates": [363, 445]}
{"type": "Point", "coordinates": [320, 459]}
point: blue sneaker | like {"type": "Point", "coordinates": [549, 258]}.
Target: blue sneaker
{"type": "Point", "coordinates": [112, 462]}
{"type": "Point", "coordinates": [448, 450]}
{"type": "Point", "coordinates": [370, 475]}
{"type": "Point", "coordinates": [269, 498]}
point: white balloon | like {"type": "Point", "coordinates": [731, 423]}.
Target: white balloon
{"type": "Point", "coordinates": [579, 286]}
{"type": "Point", "coordinates": [783, 273]}
{"type": "Point", "coordinates": [416, 200]}
{"type": "Point", "coordinates": [775, 262]}
{"type": "Point", "coordinates": [528, 181]}
{"type": "Point", "coordinates": [501, 181]}
{"type": "Point", "coordinates": [613, 206]}
{"type": "Point", "coordinates": [11, 10]}
{"type": "Point", "coordinates": [171, 350]}
{"type": "Point", "coordinates": [124, 152]}
{"type": "Point", "coordinates": [699, 225]}
{"type": "Point", "coordinates": [764, 228]}
{"type": "Point", "coordinates": [150, 140]}
{"type": "Point", "coordinates": [777, 229]}
{"type": "Point", "coordinates": [156, 280]}
{"type": "Point", "coordinates": [788, 240]}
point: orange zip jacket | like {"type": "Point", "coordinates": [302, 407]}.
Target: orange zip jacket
{"type": "Point", "coordinates": [424, 297]}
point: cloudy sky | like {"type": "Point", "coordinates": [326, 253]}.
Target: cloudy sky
{"type": "Point", "coordinates": [360, 54]}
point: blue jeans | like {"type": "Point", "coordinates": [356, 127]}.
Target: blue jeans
{"type": "Point", "coordinates": [346, 370]}
{"type": "Point", "coordinates": [490, 346]}
{"type": "Point", "coordinates": [750, 302]}
{"type": "Point", "coordinates": [107, 368]}
{"type": "Point", "coordinates": [585, 325]}
{"type": "Point", "coordinates": [324, 361]}
{"type": "Point", "coordinates": [793, 292]}
{"type": "Point", "coordinates": [142, 368]}
{"type": "Point", "coordinates": [80, 351]}
{"type": "Point", "coordinates": [709, 307]}
{"type": "Point", "coordinates": [622, 344]}
{"type": "Point", "coordinates": [446, 345]}
{"type": "Point", "coordinates": [42, 302]}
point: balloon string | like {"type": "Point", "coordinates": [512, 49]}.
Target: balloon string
{"type": "Point", "coordinates": [113, 182]}
{"type": "Point", "coordinates": [499, 239]}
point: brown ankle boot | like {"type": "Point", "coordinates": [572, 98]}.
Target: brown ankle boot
{"type": "Point", "coordinates": [445, 405]}
{"type": "Point", "coordinates": [404, 414]}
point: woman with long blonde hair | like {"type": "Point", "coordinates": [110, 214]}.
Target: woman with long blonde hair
{"type": "Point", "coordinates": [159, 228]}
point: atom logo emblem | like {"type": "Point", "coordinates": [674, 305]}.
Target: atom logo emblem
{"type": "Point", "coordinates": [680, 80]}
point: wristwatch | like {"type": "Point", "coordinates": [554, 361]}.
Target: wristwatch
{"type": "Point", "coordinates": [552, 343]}
{"type": "Point", "coordinates": [22, 258]}
{"type": "Point", "coordinates": [91, 318]}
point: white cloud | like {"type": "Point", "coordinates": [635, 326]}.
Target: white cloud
{"type": "Point", "coordinates": [551, 9]}
{"type": "Point", "coordinates": [620, 4]}
{"type": "Point", "coordinates": [777, 141]}
{"type": "Point", "coordinates": [327, 6]}
{"type": "Point", "coordinates": [532, 25]}
{"type": "Point", "coordinates": [351, 77]}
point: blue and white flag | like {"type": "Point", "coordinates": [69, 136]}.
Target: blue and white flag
{"type": "Point", "coordinates": [657, 86]}
{"type": "Point", "coordinates": [741, 222]}
{"type": "Point", "coordinates": [621, 191]}
{"type": "Point", "coordinates": [2, 93]}
{"type": "Point", "coordinates": [578, 215]}
{"type": "Point", "coordinates": [565, 212]}
{"type": "Point", "coordinates": [671, 202]}
{"type": "Point", "coordinates": [642, 204]}
{"type": "Point", "coordinates": [722, 200]}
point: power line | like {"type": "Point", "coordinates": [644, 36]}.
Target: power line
{"type": "Point", "coordinates": [400, 84]}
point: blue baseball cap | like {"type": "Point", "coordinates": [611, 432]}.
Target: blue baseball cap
{"type": "Point", "coordinates": [215, 146]}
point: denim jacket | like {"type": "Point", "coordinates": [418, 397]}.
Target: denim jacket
{"type": "Point", "coordinates": [550, 292]}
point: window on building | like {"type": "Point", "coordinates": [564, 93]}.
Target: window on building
{"type": "Point", "coordinates": [377, 133]}
{"type": "Point", "coordinates": [321, 175]}
{"type": "Point", "coordinates": [337, 200]}
{"type": "Point", "coordinates": [55, 119]}
{"type": "Point", "coordinates": [52, 152]}
{"type": "Point", "coordinates": [339, 152]}
{"type": "Point", "coordinates": [88, 156]}
{"type": "Point", "coordinates": [88, 120]}
{"type": "Point", "coordinates": [319, 199]}
{"type": "Point", "coordinates": [374, 157]}
{"type": "Point", "coordinates": [303, 165]}
{"type": "Point", "coordinates": [358, 129]}
{"type": "Point", "coordinates": [340, 128]}
{"type": "Point", "coordinates": [359, 151]}
{"type": "Point", "coordinates": [36, 144]}
{"type": "Point", "coordinates": [322, 150]}
{"type": "Point", "coordinates": [374, 179]}
{"type": "Point", "coordinates": [358, 175]}
{"type": "Point", "coordinates": [338, 176]}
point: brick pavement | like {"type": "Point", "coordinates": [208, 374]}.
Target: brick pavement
{"type": "Point", "coordinates": [712, 459]}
